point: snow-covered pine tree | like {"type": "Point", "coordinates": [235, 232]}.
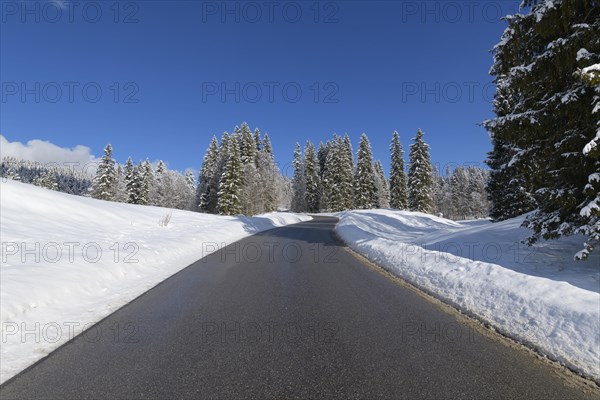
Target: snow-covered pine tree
{"type": "Point", "coordinates": [365, 190]}
{"type": "Point", "coordinates": [247, 145]}
{"type": "Point", "coordinates": [140, 185]}
{"type": "Point", "coordinates": [381, 183]}
{"type": "Point", "coordinates": [131, 182]}
{"type": "Point", "coordinates": [338, 175]}
{"type": "Point", "coordinates": [146, 183]}
{"type": "Point", "coordinates": [545, 112]}
{"type": "Point", "coordinates": [298, 181]}
{"type": "Point", "coordinates": [398, 183]}
{"type": "Point", "coordinates": [269, 184]}
{"type": "Point", "coordinates": [322, 159]}
{"type": "Point", "coordinates": [459, 185]}
{"type": "Point", "coordinates": [311, 174]}
{"type": "Point", "coordinates": [332, 176]}
{"type": "Point", "coordinates": [249, 203]}
{"type": "Point", "coordinates": [104, 186]}
{"type": "Point", "coordinates": [590, 211]}
{"type": "Point", "coordinates": [257, 140]}
{"type": "Point", "coordinates": [157, 193]}
{"type": "Point", "coordinates": [267, 148]}
{"type": "Point", "coordinates": [214, 185]}
{"type": "Point", "coordinates": [347, 173]}
{"type": "Point", "coordinates": [231, 182]}
{"type": "Point", "coordinates": [10, 168]}
{"type": "Point", "coordinates": [121, 192]}
{"type": "Point", "coordinates": [190, 193]}
{"type": "Point", "coordinates": [478, 178]}
{"type": "Point", "coordinates": [206, 177]}
{"type": "Point", "coordinates": [442, 194]}
{"type": "Point", "coordinates": [506, 188]}
{"type": "Point", "coordinates": [47, 179]}
{"type": "Point", "coordinates": [420, 176]}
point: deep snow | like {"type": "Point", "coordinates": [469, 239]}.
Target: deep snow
{"type": "Point", "coordinates": [539, 296]}
{"type": "Point", "coordinates": [69, 261]}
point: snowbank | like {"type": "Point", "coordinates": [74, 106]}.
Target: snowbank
{"type": "Point", "coordinates": [539, 296]}
{"type": "Point", "coordinates": [69, 261]}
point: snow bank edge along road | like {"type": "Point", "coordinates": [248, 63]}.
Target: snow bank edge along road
{"type": "Point", "coordinates": [69, 261]}
{"type": "Point", "coordinates": [558, 319]}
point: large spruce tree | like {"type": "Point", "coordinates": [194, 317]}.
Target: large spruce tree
{"type": "Point", "coordinates": [230, 184]}
{"type": "Point", "coordinates": [545, 116]}
{"type": "Point", "coordinates": [365, 190]}
{"type": "Point", "coordinates": [420, 176]}
{"type": "Point", "coordinates": [298, 181]}
{"type": "Point", "coordinates": [398, 185]}
{"type": "Point", "coordinates": [104, 187]}
{"type": "Point", "coordinates": [207, 185]}
{"type": "Point", "coordinates": [311, 176]}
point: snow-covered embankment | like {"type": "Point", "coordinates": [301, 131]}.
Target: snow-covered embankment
{"type": "Point", "coordinates": [69, 261]}
{"type": "Point", "coordinates": [538, 296]}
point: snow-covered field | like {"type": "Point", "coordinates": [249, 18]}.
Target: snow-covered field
{"type": "Point", "coordinates": [539, 296]}
{"type": "Point", "coordinates": [69, 261]}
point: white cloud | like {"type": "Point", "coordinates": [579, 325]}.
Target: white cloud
{"type": "Point", "coordinates": [59, 3]}
{"type": "Point", "coordinates": [47, 153]}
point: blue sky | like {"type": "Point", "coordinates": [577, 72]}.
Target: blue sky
{"type": "Point", "coordinates": [321, 67]}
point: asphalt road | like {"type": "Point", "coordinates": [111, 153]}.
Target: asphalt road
{"type": "Point", "coordinates": [289, 313]}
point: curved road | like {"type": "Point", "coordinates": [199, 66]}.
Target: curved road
{"type": "Point", "coordinates": [289, 313]}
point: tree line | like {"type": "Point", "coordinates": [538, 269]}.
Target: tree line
{"type": "Point", "coordinates": [329, 179]}
{"type": "Point", "coordinates": [239, 176]}
{"type": "Point", "coordinates": [54, 177]}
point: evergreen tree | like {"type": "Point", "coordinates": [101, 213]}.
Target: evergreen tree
{"type": "Point", "coordinates": [267, 148]}
{"type": "Point", "coordinates": [420, 176]}
{"type": "Point", "coordinates": [257, 140]}
{"type": "Point", "coordinates": [269, 185]}
{"type": "Point", "coordinates": [231, 181]}
{"type": "Point", "coordinates": [365, 190]}
{"type": "Point", "coordinates": [443, 194]}
{"type": "Point", "coordinates": [506, 188]}
{"type": "Point", "coordinates": [47, 180]}
{"type": "Point", "coordinates": [211, 205]}
{"type": "Point", "coordinates": [398, 184]}
{"type": "Point", "coordinates": [545, 114]}
{"type": "Point", "coordinates": [323, 190]}
{"type": "Point", "coordinates": [381, 183]}
{"type": "Point", "coordinates": [461, 200]}
{"type": "Point", "coordinates": [121, 193]}
{"type": "Point", "coordinates": [332, 179]}
{"type": "Point", "coordinates": [347, 174]}
{"type": "Point", "coordinates": [298, 182]}
{"type": "Point", "coordinates": [9, 165]}
{"type": "Point", "coordinates": [131, 182]}
{"type": "Point", "coordinates": [146, 182]}
{"type": "Point", "coordinates": [338, 175]}
{"type": "Point", "coordinates": [311, 174]}
{"type": "Point", "coordinates": [157, 195]}
{"type": "Point", "coordinates": [322, 157]}
{"type": "Point", "coordinates": [207, 184]}
{"type": "Point", "coordinates": [247, 145]}
{"type": "Point", "coordinates": [104, 186]}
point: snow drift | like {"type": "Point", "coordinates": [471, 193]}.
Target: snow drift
{"type": "Point", "coordinates": [69, 261]}
{"type": "Point", "coordinates": [539, 296]}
